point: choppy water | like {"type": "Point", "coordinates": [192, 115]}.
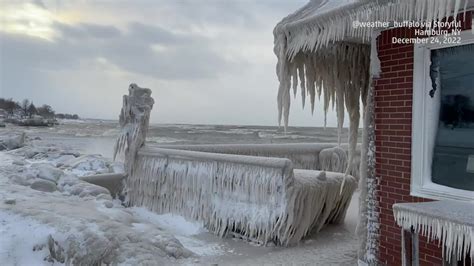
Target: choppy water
{"type": "Point", "coordinates": [98, 136]}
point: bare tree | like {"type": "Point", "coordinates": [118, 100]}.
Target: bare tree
{"type": "Point", "coordinates": [46, 111]}
{"type": "Point", "coordinates": [32, 110]}
{"type": "Point", "coordinates": [25, 104]}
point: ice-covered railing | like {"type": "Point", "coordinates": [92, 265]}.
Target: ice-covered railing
{"type": "Point", "coordinates": [310, 156]}
{"type": "Point", "coordinates": [258, 198]}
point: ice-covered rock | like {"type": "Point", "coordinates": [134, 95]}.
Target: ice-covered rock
{"type": "Point", "coordinates": [18, 162]}
{"type": "Point", "coordinates": [74, 186]}
{"type": "Point", "coordinates": [73, 153]}
{"type": "Point", "coordinates": [46, 171]}
{"type": "Point", "coordinates": [10, 201]}
{"type": "Point", "coordinates": [88, 165]}
{"type": "Point", "coordinates": [23, 180]}
{"type": "Point", "coordinates": [30, 153]}
{"type": "Point", "coordinates": [12, 141]}
{"type": "Point", "coordinates": [62, 159]}
{"type": "Point", "coordinates": [108, 204]}
{"type": "Point", "coordinates": [44, 185]}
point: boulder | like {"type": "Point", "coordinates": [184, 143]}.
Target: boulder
{"type": "Point", "coordinates": [44, 185]}
{"type": "Point", "coordinates": [88, 165]}
{"type": "Point", "coordinates": [11, 142]}
{"type": "Point", "coordinates": [46, 171]}
{"type": "Point", "coordinates": [23, 180]}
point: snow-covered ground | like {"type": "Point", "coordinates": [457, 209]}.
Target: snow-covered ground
{"type": "Point", "coordinates": [47, 214]}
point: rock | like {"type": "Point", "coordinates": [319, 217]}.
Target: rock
{"type": "Point", "coordinates": [10, 201]}
{"type": "Point", "coordinates": [108, 204]}
{"type": "Point", "coordinates": [2, 124]}
{"type": "Point", "coordinates": [84, 189]}
{"type": "Point", "coordinates": [11, 142]}
{"type": "Point", "coordinates": [88, 165]}
{"type": "Point", "coordinates": [30, 153]}
{"type": "Point", "coordinates": [23, 180]}
{"type": "Point", "coordinates": [44, 185]}
{"type": "Point", "coordinates": [18, 162]}
{"type": "Point", "coordinates": [63, 159]}
{"type": "Point", "coordinates": [75, 154]}
{"type": "Point", "coordinates": [47, 172]}
{"type": "Point", "coordinates": [37, 138]}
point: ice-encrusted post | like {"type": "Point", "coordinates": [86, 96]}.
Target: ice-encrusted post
{"type": "Point", "coordinates": [134, 120]}
{"type": "Point", "coordinates": [368, 226]}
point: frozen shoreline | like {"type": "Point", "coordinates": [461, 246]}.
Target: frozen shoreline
{"type": "Point", "coordinates": [123, 234]}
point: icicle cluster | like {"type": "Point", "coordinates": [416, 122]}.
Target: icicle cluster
{"type": "Point", "coordinates": [260, 199]}
{"type": "Point", "coordinates": [312, 49]}
{"type": "Point", "coordinates": [339, 74]}
{"type": "Point", "coordinates": [451, 222]}
{"type": "Point", "coordinates": [310, 156]}
{"type": "Point", "coordinates": [134, 119]}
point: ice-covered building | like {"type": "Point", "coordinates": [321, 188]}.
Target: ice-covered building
{"type": "Point", "coordinates": [414, 80]}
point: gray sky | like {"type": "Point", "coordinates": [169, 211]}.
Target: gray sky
{"type": "Point", "coordinates": [207, 62]}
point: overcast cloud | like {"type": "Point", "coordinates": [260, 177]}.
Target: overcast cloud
{"type": "Point", "coordinates": [207, 62]}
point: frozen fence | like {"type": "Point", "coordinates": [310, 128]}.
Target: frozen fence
{"type": "Point", "coordinates": [258, 198]}
{"type": "Point", "coordinates": [310, 156]}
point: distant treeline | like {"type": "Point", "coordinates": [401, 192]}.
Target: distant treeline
{"type": "Point", "coordinates": [27, 108]}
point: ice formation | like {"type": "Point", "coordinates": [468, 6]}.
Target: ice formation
{"type": "Point", "coordinates": [260, 199]}
{"type": "Point", "coordinates": [318, 47]}
{"type": "Point", "coordinates": [451, 222]}
{"type": "Point", "coordinates": [310, 156]}
{"type": "Point", "coordinates": [134, 120]}
{"type": "Point", "coordinates": [368, 227]}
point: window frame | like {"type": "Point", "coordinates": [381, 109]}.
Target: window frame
{"type": "Point", "coordinates": [421, 183]}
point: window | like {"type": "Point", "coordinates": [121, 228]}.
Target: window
{"type": "Point", "coordinates": [443, 120]}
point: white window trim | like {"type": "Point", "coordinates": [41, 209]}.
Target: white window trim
{"type": "Point", "coordinates": [421, 155]}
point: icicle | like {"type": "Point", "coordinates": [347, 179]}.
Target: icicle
{"type": "Point", "coordinates": [465, 9]}
{"type": "Point", "coordinates": [455, 233]}
{"type": "Point", "coordinates": [457, 5]}
{"type": "Point", "coordinates": [301, 73]}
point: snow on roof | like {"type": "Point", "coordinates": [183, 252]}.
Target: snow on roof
{"type": "Point", "coordinates": [321, 22]}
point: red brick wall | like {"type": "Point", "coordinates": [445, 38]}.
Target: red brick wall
{"type": "Point", "coordinates": [393, 128]}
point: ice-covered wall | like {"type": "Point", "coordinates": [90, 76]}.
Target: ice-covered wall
{"type": "Point", "coordinates": [259, 198]}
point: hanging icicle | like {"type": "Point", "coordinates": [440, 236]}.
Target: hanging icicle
{"type": "Point", "coordinates": [450, 222]}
